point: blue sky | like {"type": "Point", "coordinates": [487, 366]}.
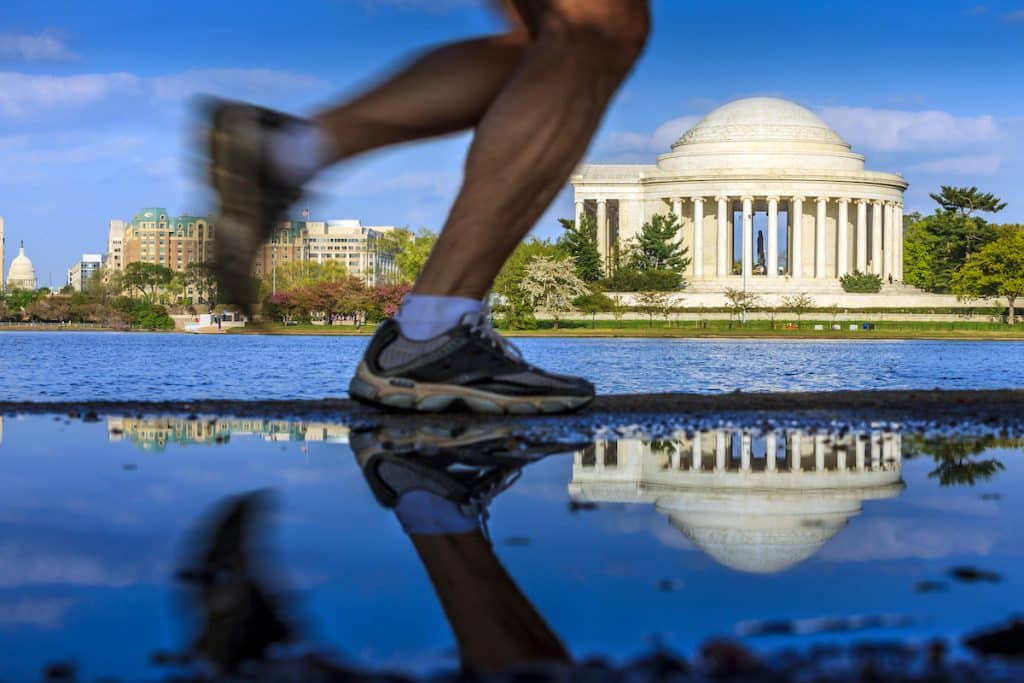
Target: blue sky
{"type": "Point", "coordinates": [94, 97]}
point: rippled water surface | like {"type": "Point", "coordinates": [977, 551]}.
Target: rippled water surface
{"type": "Point", "coordinates": [76, 366]}
{"type": "Point", "coordinates": [605, 547]}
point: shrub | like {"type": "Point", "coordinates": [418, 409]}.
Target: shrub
{"type": "Point", "coordinates": [631, 280]}
{"type": "Point", "coordinates": [861, 283]}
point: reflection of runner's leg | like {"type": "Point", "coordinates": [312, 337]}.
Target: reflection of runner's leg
{"type": "Point", "coordinates": [440, 484]}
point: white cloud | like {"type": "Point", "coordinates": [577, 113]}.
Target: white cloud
{"type": "Point", "coordinates": [893, 129]}
{"type": "Point", "coordinates": [660, 140]}
{"type": "Point", "coordinates": [1014, 17]}
{"type": "Point", "coordinates": [982, 164]}
{"type": "Point", "coordinates": [246, 83]}
{"type": "Point", "coordinates": [44, 613]}
{"type": "Point", "coordinates": [41, 47]}
{"type": "Point", "coordinates": [24, 156]}
{"type": "Point", "coordinates": [23, 95]}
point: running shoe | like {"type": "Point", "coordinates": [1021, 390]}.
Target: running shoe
{"type": "Point", "coordinates": [469, 366]}
{"type": "Point", "coordinates": [467, 466]}
{"type": "Point", "coordinates": [253, 199]}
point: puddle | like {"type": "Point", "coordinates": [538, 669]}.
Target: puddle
{"type": "Point", "coordinates": [130, 546]}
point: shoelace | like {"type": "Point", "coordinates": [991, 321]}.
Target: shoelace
{"type": "Point", "coordinates": [481, 327]}
{"type": "Point", "coordinates": [480, 503]}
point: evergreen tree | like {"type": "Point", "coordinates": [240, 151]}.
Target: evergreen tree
{"type": "Point", "coordinates": [580, 242]}
{"type": "Point", "coordinates": [658, 246]}
{"type": "Point", "coordinates": [966, 200]}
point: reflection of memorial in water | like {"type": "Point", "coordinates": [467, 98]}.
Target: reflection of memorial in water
{"type": "Point", "coordinates": [155, 433]}
{"type": "Point", "coordinates": [755, 503]}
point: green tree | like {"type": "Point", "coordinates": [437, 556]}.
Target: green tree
{"type": "Point", "coordinates": [594, 302]}
{"type": "Point", "coordinates": [964, 201]}
{"type": "Point", "coordinates": [148, 278]}
{"type": "Point", "coordinates": [200, 278]}
{"type": "Point", "coordinates": [410, 250]}
{"type": "Point", "coordinates": [651, 303]}
{"type": "Point", "coordinates": [580, 242]}
{"type": "Point", "coordinates": [938, 245]}
{"type": "Point", "coordinates": [798, 305]}
{"type": "Point", "coordinates": [739, 302]}
{"type": "Point", "coordinates": [658, 246]}
{"type": "Point", "coordinates": [996, 270]}
{"type": "Point", "coordinates": [861, 282]}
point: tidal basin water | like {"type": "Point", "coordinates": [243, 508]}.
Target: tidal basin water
{"type": "Point", "coordinates": [47, 366]}
{"type": "Point", "coordinates": [776, 539]}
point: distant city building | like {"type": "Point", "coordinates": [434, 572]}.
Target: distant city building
{"type": "Point", "coordinates": [171, 241]}
{"type": "Point", "coordinates": [286, 245]}
{"type": "Point", "coordinates": [22, 274]}
{"type": "Point", "coordinates": [79, 273]}
{"type": "Point", "coordinates": [154, 237]}
{"type": "Point", "coordinates": [115, 244]}
{"type": "Point", "coordinates": [353, 244]}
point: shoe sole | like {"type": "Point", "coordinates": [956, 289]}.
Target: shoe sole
{"type": "Point", "coordinates": [427, 397]}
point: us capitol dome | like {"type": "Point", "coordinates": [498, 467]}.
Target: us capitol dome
{"type": "Point", "coordinates": [22, 274]}
{"type": "Point", "coordinates": [820, 213]}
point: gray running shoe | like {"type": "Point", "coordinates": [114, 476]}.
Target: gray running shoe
{"type": "Point", "coordinates": [469, 366]}
{"type": "Point", "coordinates": [253, 199]}
{"type": "Point", "coordinates": [467, 466]}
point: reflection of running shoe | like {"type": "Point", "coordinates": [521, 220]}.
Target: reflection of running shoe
{"type": "Point", "coordinates": [253, 199]}
{"type": "Point", "coordinates": [467, 467]}
{"type": "Point", "coordinates": [470, 365]}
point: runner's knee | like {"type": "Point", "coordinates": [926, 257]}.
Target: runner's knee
{"type": "Point", "coordinates": [612, 32]}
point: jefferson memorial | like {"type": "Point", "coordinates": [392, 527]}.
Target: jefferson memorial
{"type": "Point", "coordinates": [766, 194]}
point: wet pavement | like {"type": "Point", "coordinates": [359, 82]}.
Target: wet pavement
{"type": "Point", "coordinates": [750, 537]}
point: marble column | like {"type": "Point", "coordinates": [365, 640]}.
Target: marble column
{"type": "Point", "coordinates": [843, 238]}
{"type": "Point", "coordinates": [796, 452]}
{"type": "Point", "coordinates": [697, 252]}
{"type": "Point", "coordinates": [876, 238]}
{"type": "Point", "coordinates": [748, 236]}
{"type": "Point", "coordinates": [819, 238]}
{"type": "Point", "coordinates": [677, 210]}
{"type": "Point", "coordinates": [771, 449]}
{"type": "Point", "coordinates": [697, 451]}
{"type": "Point", "coordinates": [819, 452]}
{"type": "Point", "coordinates": [745, 452]}
{"type": "Point", "coordinates": [862, 236]}
{"type": "Point", "coordinates": [721, 258]}
{"type": "Point", "coordinates": [579, 212]}
{"type": "Point", "coordinates": [796, 220]}
{"type": "Point", "coordinates": [876, 450]}
{"type": "Point", "coordinates": [772, 263]}
{"type": "Point", "coordinates": [719, 451]}
{"type": "Point", "coordinates": [603, 248]}
{"type": "Point", "coordinates": [859, 451]}
{"type": "Point", "coordinates": [889, 243]}
{"type": "Point", "coordinates": [897, 253]}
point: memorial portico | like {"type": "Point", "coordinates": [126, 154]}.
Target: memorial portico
{"type": "Point", "coordinates": [763, 190]}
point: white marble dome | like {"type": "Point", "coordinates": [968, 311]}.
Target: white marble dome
{"type": "Point", "coordinates": [761, 133]}
{"type": "Point", "coordinates": [761, 119]}
{"type": "Point", "coordinates": [22, 274]}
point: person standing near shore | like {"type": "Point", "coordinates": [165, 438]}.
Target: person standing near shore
{"type": "Point", "coordinates": [534, 96]}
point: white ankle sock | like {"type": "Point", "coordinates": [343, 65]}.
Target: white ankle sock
{"type": "Point", "coordinates": [299, 150]}
{"type": "Point", "coordinates": [426, 513]}
{"type": "Point", "coordinates": [423, 316]}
